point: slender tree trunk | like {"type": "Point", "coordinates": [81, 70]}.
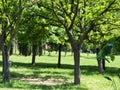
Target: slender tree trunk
{"type": "Point", "coordinates": [76, 66]}
{"type": "Point", "coordinates": [5, 59]}
{"type": "Point", "coordinates": [15, 43]}
{"type": "Point", "coordinates": [100, 66]}
{"type": "Point", "coordinates": [56, 52]}
{"type": "Point", "coordinates": [44, 51]}
{"type": "Point", "coordinates": [34, 51]}
{"type": "Point", "coordinates": [40, 49]}
{"type": "Point", "coordinates": [65, 53]}
{"type": "Point", "coordinates": [11, 49]}
{"type": "Point", "coordinates": [59, 56]}
{"type": "Point", "coordinates": [100, 63]}
{"type": "Point", "coordinates": [103, 62]}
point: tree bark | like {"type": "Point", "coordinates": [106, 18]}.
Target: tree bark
{"type": "Point", "coordinates": [76, 66]}
{"type": "Point", "coordinates": [100, 66]}
{"type": "Point", "coordinates": [59, 56]}
{"type": "Point", "coordinates": [76, 46]}
{"type": "Point", "coordinates": [6, 66]}
{"type": "Point", "coordinates": [40, 49]}
{"type": "Point", "coordinates": [11, 49]}
{"type": "Point", "coordinates": [101, 63]}
{"type": "Point", "coordinates": [34, 51]}
{"type": "Point", "coordinates": [65, 53]}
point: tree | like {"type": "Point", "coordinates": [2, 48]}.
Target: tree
{"type": "Point", "coordinates": [107, 29]}
{"type": "Point", "coordinates": [108, 49]}
{"type": "Point", "coordinates": [10, 15]}
{"type": "Point", "coordinates": [78, 18]}
{"type": "Point", "coordinates": [56, 39]}
{"type": "Point", "coordinates": [32, 30]}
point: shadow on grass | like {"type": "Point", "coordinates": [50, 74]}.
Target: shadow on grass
{"type": "Point", "coordinates": [27, 86]}
{"type": "Point", "coordinates": [36, 73]}
{"type": "Point", "coordinates": [67, 86]}
{"type": "Point", "coordinates": [47, 75]}
{"type": "Point", "coordinates": [85, 69]}
{"type": "Point", "coordinates": [93, 70]}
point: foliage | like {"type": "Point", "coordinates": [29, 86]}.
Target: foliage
{"type": "Point", "coordinates": [10, 13]}
{"type": "Point", "coordinates": [109, 49]}
{"type": "Point", "coordinates": [106, 51]}
{"type": "Point", "coordinates": [32, 28]}
{"type": "Point", "coordinates": [56, 36]}
{"type": "Point", "coordinates": [116, 49]}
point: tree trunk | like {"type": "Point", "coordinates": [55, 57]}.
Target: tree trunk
{"type": "Point", "coordinates": [11, 49]}
{"type": "Point", "coordinates": [76, 46]}
{"type": "Point", "coordinates": [76, 66]}
{"type": "Point", "coordinates": [34, 51]}
{"type": "Point", "coordinates": [5, 59]}
{"type": "Point", "coordinates": [65, 53]}
{"type": "Point", "coordinates": [59, 56]}
{"type": "Point", "coordinates": [40, 49]}
{"type": "Point", "coordinates": [101, 64]}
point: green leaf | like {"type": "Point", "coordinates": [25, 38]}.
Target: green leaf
{"type": "Point", "coordinates": [112, 57]}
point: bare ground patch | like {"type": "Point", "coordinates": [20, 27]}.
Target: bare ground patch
{"type": "Point", "coordinates": [38, 81]}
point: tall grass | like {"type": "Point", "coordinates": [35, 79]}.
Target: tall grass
{"type": "Point", "coordinates": [46, 76]}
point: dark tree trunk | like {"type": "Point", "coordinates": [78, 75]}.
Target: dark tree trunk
{"type": "Point", "coordinates": [76, 46]}
{"type": "Point", "coordinates": [100, 66]}
{"type": "Point", "coordinates": [101, 63]}
{"type": "Point", "coordinates": [44, 51]}
{"type": "Point", "coordinates": [5, 59]}
{"type": "Point", "coordinates": [34, 51]}
{"type": "Point", "coordinates": [11, 49]}
{"type": "Point", "coordinates": [59, 56]}
{"type": "Point", "coordinates": [65, 53]}
{"type": "Point", "coordinates": [49, 53]}
{"type": "Point", "coordinates": [40, 49]}
{"type": "Point", "coordinates": [76, 66]}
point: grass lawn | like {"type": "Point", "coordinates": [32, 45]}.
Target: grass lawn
{"type": "Point", "coordinates": [46, 76]}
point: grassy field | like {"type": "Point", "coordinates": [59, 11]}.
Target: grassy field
{"type": "Point", "coordinates": [46, 76]}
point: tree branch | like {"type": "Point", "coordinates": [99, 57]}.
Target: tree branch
{"type": "Point", "coordinates": [108, 7]}
{"type": "Point", "coordinates": [56, 14]}
{"type": "Point", "coordinates": [75, 14]}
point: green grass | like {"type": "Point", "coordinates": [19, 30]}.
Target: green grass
{"type": "Point", "coordinates": [46, 76]}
